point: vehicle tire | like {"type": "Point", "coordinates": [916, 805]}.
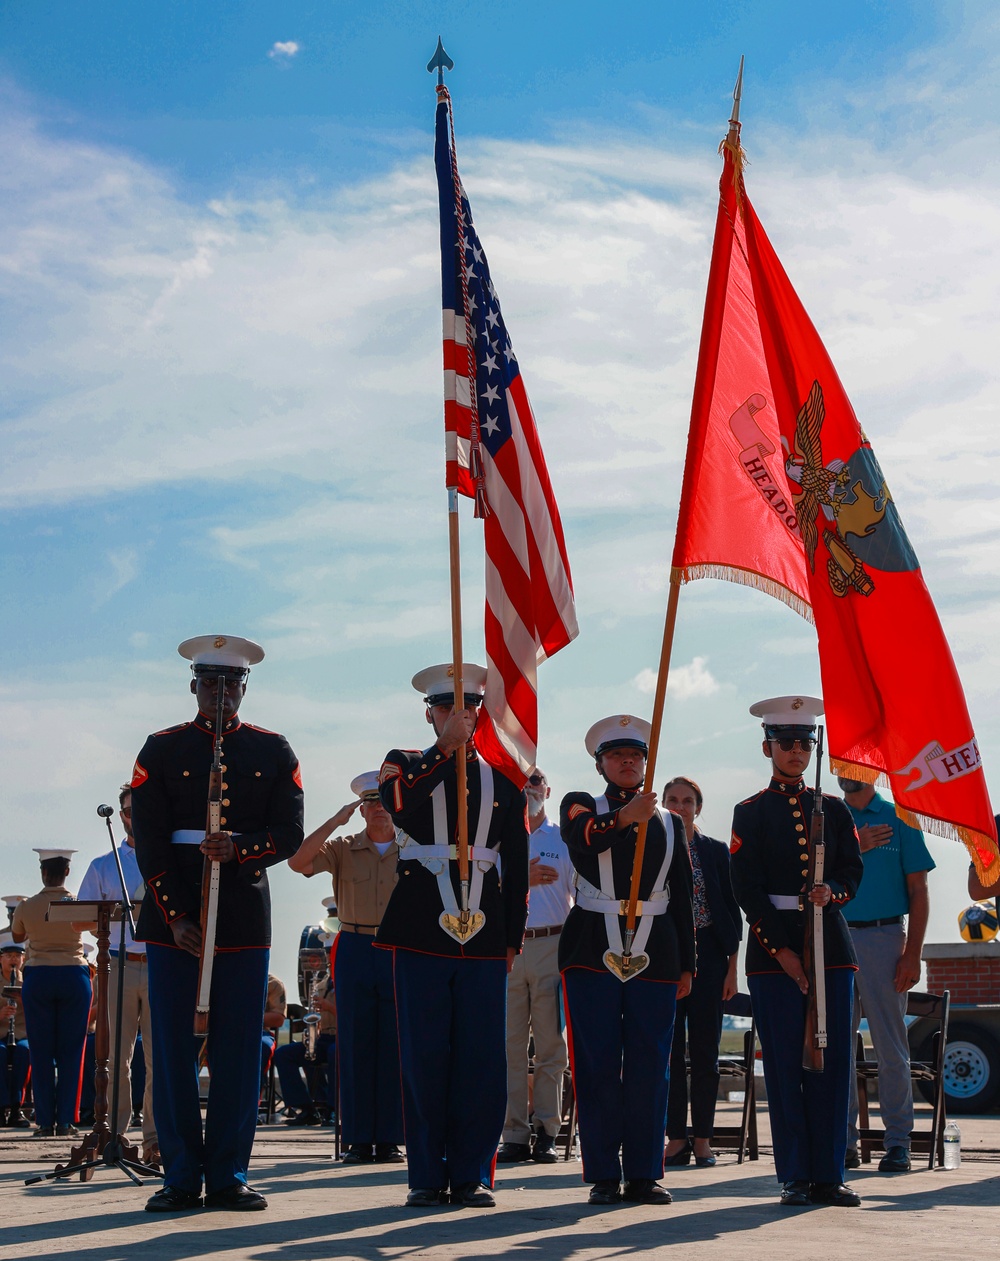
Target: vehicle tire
{"type": "Point", "coordinates": [971, 1070]}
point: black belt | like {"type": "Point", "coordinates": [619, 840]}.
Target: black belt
{"type": "Point", "coordinates": [366, 930]}
{"type": "Point", "coordinates": [874, 923]}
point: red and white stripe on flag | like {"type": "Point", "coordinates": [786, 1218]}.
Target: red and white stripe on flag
{"type": "Point", "coordinates": [493, 453]}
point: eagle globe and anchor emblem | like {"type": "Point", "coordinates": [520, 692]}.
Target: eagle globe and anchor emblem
{"type": "Point", "coordinates": [852, 496]}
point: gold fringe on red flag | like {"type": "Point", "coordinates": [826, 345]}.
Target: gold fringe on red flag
{"type": "Point", "coordinates": [732, 146]}
{"type": "Point", "coordinates": [982, 849]}
{"type": "Point", "coordinates": [745, 578]}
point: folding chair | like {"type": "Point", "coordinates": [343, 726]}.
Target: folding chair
{"type": "Point", "coordinates": [934, 1008]}
{"type": "Point", "coordinates": [742, 1137]}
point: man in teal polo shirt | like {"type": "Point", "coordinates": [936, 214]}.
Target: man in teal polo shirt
{"type": "Point", "coordinates": [894, 890]}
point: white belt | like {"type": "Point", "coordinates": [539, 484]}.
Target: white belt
{"type": "Point", "coordinates": [190, 836]}
{"type": "Point", "coordinates": [592, 899]}
{"type": "Point", "coordinates": [436, 857]}
{"type": "Point", "coordinates": [785, 901]}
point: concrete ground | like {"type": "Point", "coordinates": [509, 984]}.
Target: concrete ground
{"type": "Point", "coordinates": [319, 1209]}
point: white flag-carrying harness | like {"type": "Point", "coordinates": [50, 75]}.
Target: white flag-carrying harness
{"type": "Point", "coordinates": [437, 857]}
{"type": "Point", "coordinates": [606, 903]}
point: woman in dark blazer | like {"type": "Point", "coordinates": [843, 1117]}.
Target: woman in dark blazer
{"type": "Point", "coordinates": [718, 929]}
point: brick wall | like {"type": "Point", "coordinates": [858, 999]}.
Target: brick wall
{"type": "Point", "coordinates": [970, 970]}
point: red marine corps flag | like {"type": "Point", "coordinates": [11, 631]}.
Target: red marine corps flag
{"type": "Point", "coordinates": [782, 491]}
{"type": "Point", "coordinates": [494, 456]}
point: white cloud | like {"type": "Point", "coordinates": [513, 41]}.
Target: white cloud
{"type": "Point", "coordinates": [283, 50]}
{"type": "Point", "coordinates": [683, 682]}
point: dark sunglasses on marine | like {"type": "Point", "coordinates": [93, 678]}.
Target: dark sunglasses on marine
{"type": "Point", "coordinates": [785, 745]}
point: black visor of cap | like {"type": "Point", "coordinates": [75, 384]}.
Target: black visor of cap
{"type": "Point", "coordinates": [448, 698]}
{"type": "Point", "coordinates": [787, 731]}
{"type": "Point", "coordinates": [227, 672]}
{"type": "Point", "coordinates": [621, 744]}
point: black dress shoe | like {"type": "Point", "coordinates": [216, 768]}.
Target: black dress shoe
{"type": "Point", "coordinates": [837, 1194]}
{"type": "Point", "coordinates": [683, 1157]}
{"type": "Point", "coordinates": [306, 1117]}
{"type": "Point", "coordinates": [646, 1191]}
{"type": "Point", "coordinates": [45, 1131]}
{"type": "Point", "coordinates": [236, 1199]}
{"type": "Point", "coordinates": [852, 1158]}
{"type": "Point", "coordinates": [18, 1121]}
{"type": "Point", "coordinates": [387, 1154]}
{"type": "Point", "coordinates": [172, 1200]}
{"type": "Point", "coordinates": [513, 1153]}
{"type": "Point", "coordinates": [358, 1154]}
{"type": "Point", "coordinates": [427, 1197]}
{"type": "Point", "coordinates": [544, 1150]}
{"type": "Point", "coordinates": [795, 1195]}
{"type": "Point", "coordinates": [606, 1192]}
{"type": "Point", "coordinates": [473, 1195]}
{"type": "Point", "coordinates": [895, 1160]}
{"type": "Point", "coordinates": [67, 1131]}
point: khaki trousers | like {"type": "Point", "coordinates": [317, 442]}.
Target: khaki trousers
{"type": "Point", "coordinates": [135, 1008]}
{"type": "Point", "coordinates": [533, 1004]}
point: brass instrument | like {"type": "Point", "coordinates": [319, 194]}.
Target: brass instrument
{"type": "Point", "coordinates": [314, 972]}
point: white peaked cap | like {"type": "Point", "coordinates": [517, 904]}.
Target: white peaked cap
{"type": "Point", "coordinates": [45, 854]}
{"type": "Point", "coordinates": [789, 711]}
{"type": "Point", "coordinates": [221, 650]}
{"type": "Point", "coordinates": [440, 680]}
{"type": "Point", "coordinates": [366, 782]}
{"type": "Point", "coordinates": [330, 903]}
{"type": "Point", "coordinates": [617, 730]}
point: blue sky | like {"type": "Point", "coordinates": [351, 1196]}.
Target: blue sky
{"type": "Point", "coordinates": [220, 347]}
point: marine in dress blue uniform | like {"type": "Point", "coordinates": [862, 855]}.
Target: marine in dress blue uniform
{"type": "Point", "coordinates": [769, 855]}
{"type": "Point", "coordinates": [450, 994]}
{"type": "Point", "coordinates": [620, 1031]}
{"type": "Point", "coordinates": [13, 1070]}
{"type": "Point", "coordinates": [262, 825]}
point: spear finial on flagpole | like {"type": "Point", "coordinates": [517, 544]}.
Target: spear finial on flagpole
{"type": "Point", "coordinates": [734, 121]}
{"type": "Point", "coordinates": [442, 62]}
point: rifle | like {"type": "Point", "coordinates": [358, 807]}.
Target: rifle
{"type": "Point", "coordinates": [210, 873]}
{"type": "Point", "coordinates": [814, 963]}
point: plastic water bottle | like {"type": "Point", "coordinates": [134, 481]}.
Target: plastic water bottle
{"type": "Point", "coordinates": [952, 1146]}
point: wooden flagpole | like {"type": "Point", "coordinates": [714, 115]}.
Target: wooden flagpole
{"type": "Point", "coordinates": [442, 62]}
{"type": "Point", "coordinates": [659, 700]}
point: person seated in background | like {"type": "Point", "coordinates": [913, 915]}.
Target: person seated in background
{"type": "Point", "coordinates": [300, 1089]}
{"type": "Point", "coordinates": [275, 1014]}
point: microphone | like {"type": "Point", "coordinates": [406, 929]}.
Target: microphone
{"type": "Point", "coordinates": [105, 811]}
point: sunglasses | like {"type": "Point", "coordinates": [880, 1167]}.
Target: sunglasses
{"type": "Point", "coordinates": [535, 780]}
{"type": "Point", "coordinates": [806, 745]}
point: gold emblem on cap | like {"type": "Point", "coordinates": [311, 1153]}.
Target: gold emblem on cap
{"type": "Point", "coordinates": [798, 703]}
{"type": "Point", "coordinates": [219, 642]}
{"type": "Point", "coordinates": [623, 721]}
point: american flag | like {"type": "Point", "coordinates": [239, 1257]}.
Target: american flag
{"type": "Point", "coordinates": [494, 456]}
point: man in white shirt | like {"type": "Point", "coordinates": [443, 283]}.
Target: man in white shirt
{"type": "Point", "coordinates": [533, 992]}
{"type": "Point", "coordinates": [101, 882]}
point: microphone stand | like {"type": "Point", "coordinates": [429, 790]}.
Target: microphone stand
{"type": "Point", "coordinates": [104, 1146]}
